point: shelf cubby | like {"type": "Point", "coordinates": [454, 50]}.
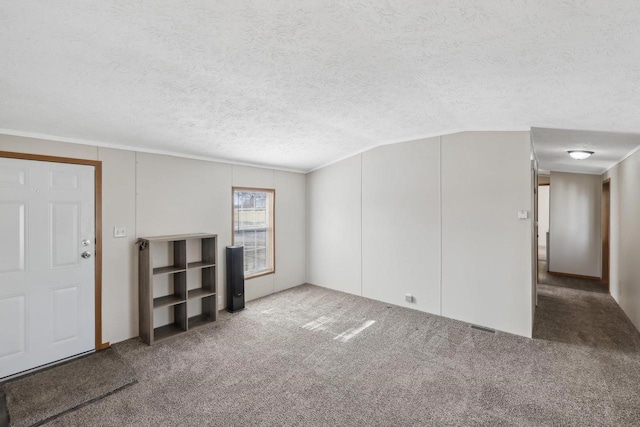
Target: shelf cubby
{"type": "Point", "coordinates": [207, 315]}
{"type": "Point", "coordinates": [205, 286]}
{"type": "Point", "coordinates": [205, 250]}
{"type": "Point", "coordinates": [165, 263]}
{"type": "Point", "coordinates": [174, 256]}
{"type": "Point", "coordinates": [177, 317]}
{"type": "Point", "coordinates": [166, 331]}
{"type": "Point", "coordinates": [170, 290]}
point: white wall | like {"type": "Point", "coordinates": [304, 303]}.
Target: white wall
{"type": "Point", "coordinates": [401, 224]}
{"type": "Point", "coordinates": [334, 221]}
{"type": "Point", "coordinates": [574, 222]}
{"type": "Point", "coordinates": [291, 236]}
{"type": "Point", "coordinates": [375, 222]}
{"type": "Point", "coordinates": [625, 236]}
{"type": "Point", "coordinates": [543, 214]}
{"type": "Point", "coordinates": [155, 194]}
{"type": "Point", "coordinates": [119, 256]}
{"type": "Point", "coordinates": [486, 250]}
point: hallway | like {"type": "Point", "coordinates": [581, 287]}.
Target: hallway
{"type": "Point", "coordinates": [585, 318]}
{"type": "Point", "coordinates": [544, 278]}
{"type": "Point", "coordinates": [577, 283]}
{"type": "Point", "coordinates": [596, 352]}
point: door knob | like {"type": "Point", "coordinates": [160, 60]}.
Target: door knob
{"type": "Point", "coordinates": [86, 255]}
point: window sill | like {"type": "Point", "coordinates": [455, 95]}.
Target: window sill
{"type": "Point", "coordinates": [256, 275]}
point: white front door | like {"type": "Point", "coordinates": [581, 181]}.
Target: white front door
{"type": "Point", "coordinates": [47, 267]}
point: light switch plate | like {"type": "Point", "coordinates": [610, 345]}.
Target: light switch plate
{"type": "Point", "coordinates": [119, 231]}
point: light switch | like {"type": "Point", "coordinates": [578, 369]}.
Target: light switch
{"type": "Point", "coordinates": [523, 214]}
{"type": "Point", "coordinates": [119, 231]}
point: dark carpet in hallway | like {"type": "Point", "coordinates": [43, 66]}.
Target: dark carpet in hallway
{"type": "Point", "coordinates": [310, 356]}
{"type": "Point", "coordinates": [581, 284]}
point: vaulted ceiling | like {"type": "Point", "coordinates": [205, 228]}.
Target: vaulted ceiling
{"type": "Point", "coordinates": [299, 84]}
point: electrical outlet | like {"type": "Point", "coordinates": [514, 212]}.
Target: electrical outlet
{"type": "Point", "coordinates": [408, 298]}
{"type": "Point", "coordinates": [119, 231]}
{"type": "Point", "coordinates": [219, 300]}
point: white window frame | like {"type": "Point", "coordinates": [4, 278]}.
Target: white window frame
{"type": "Point", "coordinates": [271, 229]}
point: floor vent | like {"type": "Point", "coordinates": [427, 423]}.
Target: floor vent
{"type": "Point", "coordinates": [480, 328]}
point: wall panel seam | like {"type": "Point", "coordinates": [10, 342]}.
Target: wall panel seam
{"type": "Point", "coordinates": [361, 230]}
{"type": "Point", "coordinates": [440, 197]}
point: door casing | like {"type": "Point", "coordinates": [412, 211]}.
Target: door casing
{"type": "Point", "coordinates": [99, 345]}
{"type": "Point", "coordinates": [606, 230]}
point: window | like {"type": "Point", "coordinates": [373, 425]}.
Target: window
{"type": "Point", "coordinates": [253, 229]}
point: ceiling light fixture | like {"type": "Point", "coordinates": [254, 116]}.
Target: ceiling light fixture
{"type": "Point", "coordinates": [580, 154]}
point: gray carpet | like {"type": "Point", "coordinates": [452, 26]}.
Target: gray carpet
{"type": "Point", "coordinates": [310, 356]}
{"type": "Point", "coordinates": [591, 285]}
{"type": "Point", "coordinates": [47, 394]}
{"type": "Point", "coordinates": [4, 416]}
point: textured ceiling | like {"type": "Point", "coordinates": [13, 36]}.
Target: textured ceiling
{"type": "Point", "coordinates": [299, 84]}
{"type": "Point", "coordinates": [551, 146]}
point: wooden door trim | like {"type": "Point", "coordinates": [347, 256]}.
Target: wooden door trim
{"type": "Point", "coordinates": [606, 231]}
{"type": "Point", "coordinates": [97, 164]}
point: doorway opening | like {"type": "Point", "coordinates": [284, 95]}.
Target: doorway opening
{"type": "Point", "coordinates": [573, 224]}
{"type": "Point", "coordinates": [543, 224]}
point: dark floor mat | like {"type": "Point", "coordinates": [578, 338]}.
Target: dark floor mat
{"type": "Point", "coordinates": [45, 395]}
